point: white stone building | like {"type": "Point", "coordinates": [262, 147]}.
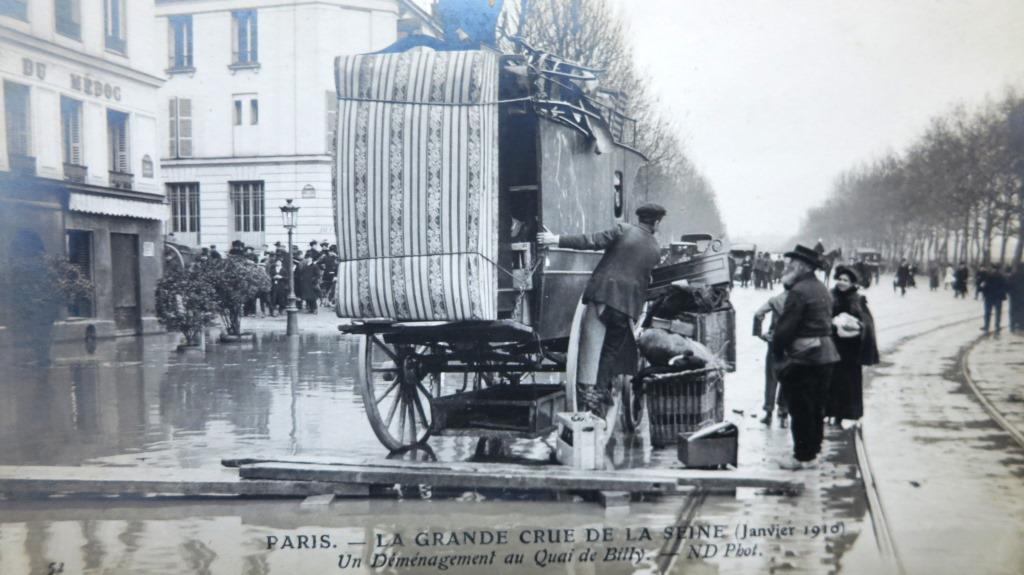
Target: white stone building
{"type": "Point", "coordinates": [79, 156]}
{"type": "Point", "coordinates": [248, 110]}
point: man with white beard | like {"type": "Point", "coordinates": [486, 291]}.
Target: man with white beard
{"type": "Point", "coordinates": [804, 353]}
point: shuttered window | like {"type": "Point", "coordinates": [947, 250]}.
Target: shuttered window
{"type": "Point", "coordinates": [180, 127]}
{"type": "Point", "coordinates": [247, 204]}
{"type": "Point", "coordinates": [118, 141]}
{"type": "Point", "coordinates": [184, 200]}
{"type": "Point", "coordinates": [16, 119]}
{"type": "Point", "coordinates": [71, 130]}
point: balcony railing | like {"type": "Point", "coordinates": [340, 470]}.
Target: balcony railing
{"type": "Point", "coordinates": [22, 165]}
{"type": "Point", "coordinates": [75, 173]}
{"type": "Point", "coordinates": [121, 180]}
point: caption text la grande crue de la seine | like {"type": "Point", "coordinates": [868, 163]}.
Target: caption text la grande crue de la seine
{"type": "Point", "coordinates": [441, 550]}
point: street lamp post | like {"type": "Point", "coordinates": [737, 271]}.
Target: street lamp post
{"type": "Point", "coordinates": [289, 217]}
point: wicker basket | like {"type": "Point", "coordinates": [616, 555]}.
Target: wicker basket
{"type": "Point", "coordinates": [683, 402]}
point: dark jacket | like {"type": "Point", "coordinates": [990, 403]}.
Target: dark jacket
{"type": "Point", "coordinates": [309, 281]}
{"type": "Point", "coordinates": [621, 278]}
{"type": "Point", "coordinates": [861, 350]}
{"type": "Point", "coordinates": [993, 286]}
{"type": "Point", "coordinates": [807, 315]}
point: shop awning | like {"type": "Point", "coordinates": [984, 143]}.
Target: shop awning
{"type": "Point", "coordinates": [110, 206]}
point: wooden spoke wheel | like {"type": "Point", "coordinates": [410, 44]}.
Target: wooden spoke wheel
{"type": "Point", "coordinates": [397, 392]}
{"type": "Point", "coordinates": [632, 406]}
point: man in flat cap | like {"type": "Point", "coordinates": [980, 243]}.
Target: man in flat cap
{"type": "Point", "coordinates": [614, 298]}
{"type": "Point", "coordinates": [804, 353]}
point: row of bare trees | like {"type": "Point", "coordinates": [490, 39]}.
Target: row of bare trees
{"type": "Point", "coordinates": [589, 32]}
{"type": "Point", "coordinates": [956, 194]}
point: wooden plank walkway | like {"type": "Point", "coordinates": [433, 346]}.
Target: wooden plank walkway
{"type": "Point", "coordinates": [53, 480]}
{"type": "Point", "coordinates": [504, 475]}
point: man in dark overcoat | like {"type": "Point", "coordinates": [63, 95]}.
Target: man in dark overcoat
{"type": "Point", "coordinates": [614, 298]}
{"type": "Point", "coordinates": [804, 353]}
{"type": "Point", "coordinates": [993, 292]}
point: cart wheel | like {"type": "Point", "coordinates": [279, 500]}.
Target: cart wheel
{"type": "Point", "coordinates": [396, 393]}
{"type": "Point", "coordinates": [632, 406]}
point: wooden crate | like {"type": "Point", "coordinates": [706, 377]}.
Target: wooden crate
{"type": "Point", "coordinates": [501, 410]}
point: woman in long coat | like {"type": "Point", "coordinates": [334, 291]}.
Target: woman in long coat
{"type": "Point", "coordinates": [854, 336]}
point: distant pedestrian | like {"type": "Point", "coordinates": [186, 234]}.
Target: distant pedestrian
{"type": "Point", "coordinates": [854, 338]}
{"type": "Point", "coordinates": [993, 290]}
{"type": "Point", "coordinates": [960, 277]}
{"type": "Point", "coordinates": [214, 254]}
{"type": "Point", "coordinates": [933, 277]}
{"type": "Point", "coordinates": [947, 277]}
{"type": "Point", "coordinates": [804, 353]}
{"type": "Point", "coordinates": [309, 282]}
{"type": "Point", "coordinates": [1015, 285]}
{"type": "Point", "coordinates": [772, 393]}
{"type": "Point", "coordinates": [903, 277]}
{"type": "Point", "coordinates": [746, 269]}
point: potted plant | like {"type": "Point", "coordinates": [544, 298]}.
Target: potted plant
{"type": "Point", "coordinates": [236, 280]}
{"type": "Point", "coordinates": [186, 302]}
{"type": "Point", "coordinates": [36, 289]}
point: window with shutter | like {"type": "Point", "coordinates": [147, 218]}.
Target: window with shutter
{"type": "Point", "coordinates": [184, 128]}
{"type": "Point", "coordinates": [117, 133]}
{"type": "Point", "coordinates": [71, 124]}
{"type": "Point", "coordinates": [16, 119]}
{"type": "Point", "coordinates": [172, 127]}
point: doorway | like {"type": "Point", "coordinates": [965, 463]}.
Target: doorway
{"type": "Point", "coordinates": [124, 264]}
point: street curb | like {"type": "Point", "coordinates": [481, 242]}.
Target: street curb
{"type": "Point", "coordinates": [986, 404]}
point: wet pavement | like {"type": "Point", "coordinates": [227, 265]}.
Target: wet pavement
{"type": "Point", "coordinates": [950, 479]}
{"type": "Point", "coordinates": [136, 402]}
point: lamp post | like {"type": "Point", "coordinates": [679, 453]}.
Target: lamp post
{"type": "Point", "coordinates": [289, 217]}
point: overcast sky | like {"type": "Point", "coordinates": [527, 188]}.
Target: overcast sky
{"type": "Point", "coordinates": [774, 98]}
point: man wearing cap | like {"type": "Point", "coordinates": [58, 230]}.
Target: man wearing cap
{"type": "Point", "coordinates": [804, 353]}
{"type": "Point", "coordinates": [614, 298]}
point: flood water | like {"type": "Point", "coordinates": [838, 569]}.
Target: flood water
{"type": "Point", "coordinates": [136, 402]}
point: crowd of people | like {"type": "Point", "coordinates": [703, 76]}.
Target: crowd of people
{"type": "Point", "coordinates": [761, 270]}
{"type": "Point", "coordinates": [313, 273]}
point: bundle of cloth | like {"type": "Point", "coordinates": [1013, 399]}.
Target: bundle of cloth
{"type": "Point", "coordinates": [664, 349]}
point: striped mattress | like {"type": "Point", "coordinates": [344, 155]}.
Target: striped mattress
{"type": "Point", "coordinates": [417, 184]}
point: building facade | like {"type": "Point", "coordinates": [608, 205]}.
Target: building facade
{"type": "Point", "coordinates": [249, 110]}
{"type": "Point", "coordinates": [79, 159]}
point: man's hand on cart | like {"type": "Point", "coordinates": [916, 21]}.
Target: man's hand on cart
{"type": "Point", "coordinates": [547, 238]}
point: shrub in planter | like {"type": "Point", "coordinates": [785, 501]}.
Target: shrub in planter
{"type": "Point", "coordinates": [34, 291]}
{"type": "Point", "coordinates": [235, 280]}
{"type": "Point", "coordinates": [186, 302]}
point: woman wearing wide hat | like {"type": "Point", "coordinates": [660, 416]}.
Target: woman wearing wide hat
{"type": "Point", "coordinates": [854, 337]}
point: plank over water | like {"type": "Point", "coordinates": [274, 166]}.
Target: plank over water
{"type": "Point", "coordinates": [52, 480]}
{"type": "Point", "coordinates": [504, 475]}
